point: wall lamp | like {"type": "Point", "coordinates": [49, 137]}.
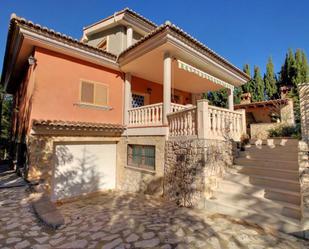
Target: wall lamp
{"type": "Point", "coordinates": [31, 60]}
{"type": "Point", "coordinates": [149, 90]}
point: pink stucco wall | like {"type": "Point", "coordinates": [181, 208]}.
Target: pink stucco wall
{"type": "Point", "coordinates": [57, 89]}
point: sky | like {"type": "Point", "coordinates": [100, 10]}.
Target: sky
{"type": "Point", "coordinates": [242, 31]}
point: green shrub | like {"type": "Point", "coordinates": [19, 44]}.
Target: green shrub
{"type": "Point", "coordinates": [285, 131]}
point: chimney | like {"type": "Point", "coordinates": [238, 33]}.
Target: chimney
{"type": "Point", "coordinates": [245, 98]}
{"type": "Point", "coordinates": [284, 91]}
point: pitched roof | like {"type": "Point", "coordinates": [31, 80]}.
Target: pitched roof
{"type": "Point", "coordinates": [128, 11]}
{"type": "Point", "coordinates": [15, 20]}
{"type": "Point", "coordinates": [190, 38]}
{"type": "Point", "coordinates": [72, 125]}
{"type": "Point", "coordinates": [265, 103]}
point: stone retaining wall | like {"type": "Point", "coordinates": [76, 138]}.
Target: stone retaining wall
{"type": "Point", "coordinates": [304, 145]}
{"type": "Point", "coordinates": [138, 180]}
{"type": "Point", "coordinates": [304, 172]}
{"type": "Point", "coordinates": [193, 167]}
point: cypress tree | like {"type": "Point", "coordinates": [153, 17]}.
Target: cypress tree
{"type": "Point", "coordinates": [270, 80]}
{"type": "Point", "coordinates": [259, 85]}
{"type": "Point", "coordinates": [288, 70]}
{"type": "Point", "coordinates": [304, 68]}
{"type": "Point", "coordinates": [251, 85]}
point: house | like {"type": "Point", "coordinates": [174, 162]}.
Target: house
{"type": "Point", "coordinates": [261, 116]}
{"type": "Point", "coordinates": [119, 109]}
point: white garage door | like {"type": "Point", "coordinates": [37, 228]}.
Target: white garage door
{"type": "Point", "coordinates": [83, 168]}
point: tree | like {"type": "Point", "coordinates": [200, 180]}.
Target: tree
{"type": "Point", "coordinates": [248, 87]}
{"type": "Point", "coordinates": [270, 80]}
{"type": "Point", "coordinates": [288, 70]}
{"type": "Point", "coordinates": [218, 98]}
{"type": "Point", "coordinates": [304, 68]}
{"type": "Point", "coordinates": [237, 93]}
{"type": "Point", "coordinates": [259, 85]}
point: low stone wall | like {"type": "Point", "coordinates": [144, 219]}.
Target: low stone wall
{"type": "Point", "coordinates": [304, 110]}
{"type": "Point", "coordinates": [260, 131]}
{"type": "Point", "coordinates": [139, 180]}
{"type": "Point", "coordinates": [303, 150]}
{"type": "Point", "coordinates": [193, 167]}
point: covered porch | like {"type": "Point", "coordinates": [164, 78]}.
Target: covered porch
{"type": "Point", "coordinates": [179, 77]}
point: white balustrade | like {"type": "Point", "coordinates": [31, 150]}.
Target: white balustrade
{"type": "Point", "coordinates": [225, 124]}
{"type": "Point", "coordinates": [215, 123]}
{"type": "Point", "coordinates": [183, 122]}
{"type": "Point", "coordinates": [150, 115]}
{"type": "Point", "coordinates": [177, 107]}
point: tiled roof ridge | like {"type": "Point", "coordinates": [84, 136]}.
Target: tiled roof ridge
{"type": "Point", "coordinates": [189, 37]}
{"type": "Point", "coordinates": [130, 11]}
{"type": "Point", "coordinates": [20, 20]}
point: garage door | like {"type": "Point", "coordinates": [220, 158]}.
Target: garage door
{"type": "Point", "coordinates": [83, 168]}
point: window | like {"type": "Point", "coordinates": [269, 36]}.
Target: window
{"type": "Point", "coordinates": [141, 156]}
{"type": "Point", "coordinates": [94, 93]}
{"type": "Point", "coordinates": [138, 100]}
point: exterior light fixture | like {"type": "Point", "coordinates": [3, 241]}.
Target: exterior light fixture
{"type": "Point", "coordinates": [149, 90]}
{"type": "Point", "coordinates": [31, 60]}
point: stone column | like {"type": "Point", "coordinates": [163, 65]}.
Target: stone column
{"type": "Point", "coordinates": [129, 36]}
{"type": "Point", "coordinates": [231, 99]}
{"type": "Point", "coordinates": [127, 97]}
{"type": "Point", "coordinates": [202, 118]}
{"type": "Point", "coordinates": [167, 84]}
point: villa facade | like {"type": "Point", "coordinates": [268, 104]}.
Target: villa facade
{"type": "Point", "coordinates": [118, 109]}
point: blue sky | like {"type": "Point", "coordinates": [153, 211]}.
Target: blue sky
{"type": "Point", "coordinates": [242, 31]}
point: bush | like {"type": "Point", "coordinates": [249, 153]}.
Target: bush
{"type": "Point", "coordinates": [285, 131]}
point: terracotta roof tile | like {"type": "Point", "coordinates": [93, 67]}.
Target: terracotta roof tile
{"type": "Point", "coordinates": [15, 20]}
{"type": "Point", "coordinates": [178, 30]}
{"type": "Point", "coordinates": [77, 125]}
{"type": "Point", "coordinates": [129, 11]}
{"type": "Point", "coordinates": [262, 103]}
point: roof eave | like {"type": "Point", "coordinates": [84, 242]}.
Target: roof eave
{"type": "Point", "coordinates": [171, 29]}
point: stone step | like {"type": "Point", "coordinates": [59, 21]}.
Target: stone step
{"type": "Point", "coordinates": [276, 164]}
{"type": "Point", "coordinates": [229, 186]}
{"type": "Point", "coordinates": [258, 204]}
{"type": "Point", "coordinates": [293, 148]}
{"type": "Point", "coordinates": [272, 172]}
{"type": "Point", "coordinates": [269, 155]}
{"type": "Point", "coordinates": [284, 142]}
{"type": "Point", "coordinates": [259, 217]}
{"type": "Point", "coordinates": [265, 182]}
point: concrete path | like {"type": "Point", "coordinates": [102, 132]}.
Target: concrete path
{"type": "Point", "coordinates": [116, 220]}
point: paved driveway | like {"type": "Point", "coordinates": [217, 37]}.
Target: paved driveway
{"type": "Point", "coordinates": [117, 220]}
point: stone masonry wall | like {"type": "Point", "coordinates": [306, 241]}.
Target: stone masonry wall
{"type": "Point", "coordinates": [304, 144]}
{"type": "Point", "coordinates": [304, 110]}
{"type": "Point", "coordinates": [138, 180]}
{"type": "Point", "coordinates": [193, 167]}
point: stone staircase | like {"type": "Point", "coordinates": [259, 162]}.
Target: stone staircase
{"type": "Point", "coordinates": [263, 187]}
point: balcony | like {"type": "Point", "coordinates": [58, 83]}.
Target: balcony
{"type": "Point", "coordinates": [202, 121]}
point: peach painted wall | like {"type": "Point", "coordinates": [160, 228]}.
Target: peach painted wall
{"type": "Point", "coordinates": [57, 89]}
{"type": "Point", "coordinates": [23, 105]}
{"type": "Point", "coordinates": [156, 96]}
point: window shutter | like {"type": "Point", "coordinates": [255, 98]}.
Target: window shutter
{"type": "Point", "coordinates": [101, 93]}
{"type": "Point", "coordinates": [87, 90]}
